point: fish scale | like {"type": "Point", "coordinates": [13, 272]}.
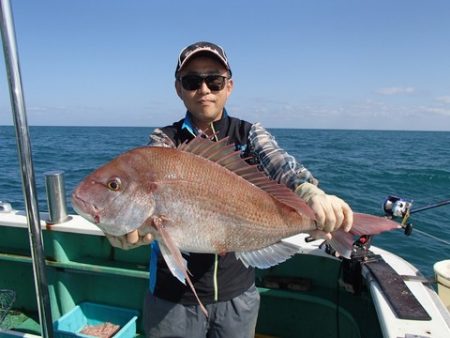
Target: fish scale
{"type": "Point", "coordinates": [250, 203]}
{"type": "Point", "coordinates": [249, 213]}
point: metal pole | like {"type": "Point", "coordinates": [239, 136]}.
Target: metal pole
{"type": "Point", "coordinates": [56, 197]}
{"type": "Point", "coordinates": [26, 166]}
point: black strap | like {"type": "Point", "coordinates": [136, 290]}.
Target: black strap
{"type": "Point", "coordinates": [402, 301]}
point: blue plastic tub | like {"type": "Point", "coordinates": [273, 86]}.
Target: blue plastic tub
{"type": "Point", "coordinates": [70, 324]}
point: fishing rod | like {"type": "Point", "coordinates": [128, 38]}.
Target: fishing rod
{"type": "Point", "coordinates": [431, 206]}
{"type": "Point", "coordinates": [395, 206]}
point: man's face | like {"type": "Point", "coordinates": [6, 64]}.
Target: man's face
{"type": "Point", "coordinates": [206, 105]}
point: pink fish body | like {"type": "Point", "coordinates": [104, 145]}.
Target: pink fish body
{"type": "Point", "coordinates": [206, 207]}
{"type": "Point", "coordinates": [202, 197]}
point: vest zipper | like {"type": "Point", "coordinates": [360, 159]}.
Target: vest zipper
{"type": "Point", "coordinates": [215, 279]}
{"type": "Point", "coordinates": [216, 257]}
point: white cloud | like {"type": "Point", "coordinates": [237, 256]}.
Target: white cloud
{"type": "Point", "coordinates": [437, 110]}
{"type": "Point", "coordinates": [396, 90]}
{"type": "Point", "coordinates": [443, 99]}
{"type": "Point", "coordinates": [351, 114]}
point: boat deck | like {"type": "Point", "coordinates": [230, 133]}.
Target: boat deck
{"type": "Point", "coordinates": [304, 294]}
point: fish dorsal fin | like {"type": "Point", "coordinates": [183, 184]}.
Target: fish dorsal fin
{"type": "Point", "coordinates": [225, 155]}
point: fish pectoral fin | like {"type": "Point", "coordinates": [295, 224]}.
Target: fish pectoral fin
{"type": "Point", "coordinates": [169, 250]}
{"type": "Point", "coordinates": [269, 256]}
{"type": "Point", "coordinates": [157, 221]}
{"type": "Point", "coordinates": [173, 258]}
{"type": "Point", "coordinates": [178, 269]}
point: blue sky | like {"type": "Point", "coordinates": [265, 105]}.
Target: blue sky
{"type": "Point", "coordinates": [378, 64]}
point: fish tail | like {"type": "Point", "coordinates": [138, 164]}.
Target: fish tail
{"type": "Point", "coordinates": [363, 224]}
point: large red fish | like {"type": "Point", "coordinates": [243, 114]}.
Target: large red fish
{"type": "Point", "coordinates": [202, 197]}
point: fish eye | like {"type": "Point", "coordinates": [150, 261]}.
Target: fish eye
{"type": "Point", "coordinates": [114, 184]}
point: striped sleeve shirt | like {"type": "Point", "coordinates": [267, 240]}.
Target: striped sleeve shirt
{"type": "Point", "coordinates": [274, 160]}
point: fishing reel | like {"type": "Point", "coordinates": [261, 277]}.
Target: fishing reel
{"type": "Point", "coordinates": [394, 206]}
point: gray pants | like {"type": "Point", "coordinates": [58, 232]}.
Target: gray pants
{"type": "Point", "coordinates": [234, 318]}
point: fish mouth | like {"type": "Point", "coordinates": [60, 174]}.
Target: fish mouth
{"type": "Point", "coordinates": [94, 215]}
{"type": "Point", "coordinates": [85, 209]}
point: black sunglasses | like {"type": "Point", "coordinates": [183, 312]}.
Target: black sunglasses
{"type": "Point", "coordinates": [193, 82]}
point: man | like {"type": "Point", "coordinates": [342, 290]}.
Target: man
{"type": "Point", "coordinates": [203, 81]}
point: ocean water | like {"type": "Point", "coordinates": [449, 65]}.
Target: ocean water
{"type": "Point", "coordinates": [362, 167]}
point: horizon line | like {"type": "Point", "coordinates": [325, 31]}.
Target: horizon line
{"type": "Point", "coordinates": [290, 128]}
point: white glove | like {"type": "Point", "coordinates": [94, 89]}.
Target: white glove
{"type": "Point", "coordinates": [331, 211]}
{"type": "Point", "coordinates": [130, 241]}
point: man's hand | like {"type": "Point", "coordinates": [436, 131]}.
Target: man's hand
{"type": "Point", "coordinates": [331, 211]}
{"type": "Point", "coordinates": [130, 241]}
